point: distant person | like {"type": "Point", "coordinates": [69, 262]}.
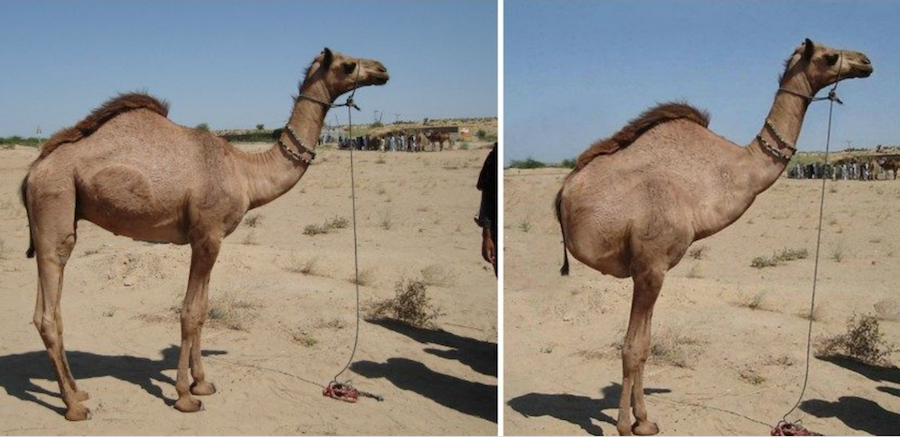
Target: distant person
{"type": "Point", "coordinates": [487, 213]}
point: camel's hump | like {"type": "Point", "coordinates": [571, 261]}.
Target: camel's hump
{"type": "Point", "coordinates": [109, 110]}
{"type": "Point", "coordinates": [654, 116]}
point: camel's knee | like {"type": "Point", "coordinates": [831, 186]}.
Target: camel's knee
{"type": "Point", "coordinates": [49, 330]}
{"type": "Point", "coordinates": [64, 248]}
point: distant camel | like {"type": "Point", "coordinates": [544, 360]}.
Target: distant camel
{"type": "Point", "coordinates": [890, 164]}
{"type": "Point", "coordinates": [636, 201]}
{"type": "Point", "coordinates": [130, 170]}
{"type": "Point", "coordinates": [439, 138]}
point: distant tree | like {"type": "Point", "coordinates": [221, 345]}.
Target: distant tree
{"type": "Point", "coordinates": [377, 124]}
{"type": "Point", "coordinates": [481, 134]}
{"type": "Point", "coordinates": [202, 126]}
{"type": "Point", "coordinates": [567, 163]}
{"type": "Point", "coordinates": [260, 126]}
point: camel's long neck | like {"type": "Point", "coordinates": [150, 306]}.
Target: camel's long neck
{"type": "Point", "coordinates": [786, 116]}
{"type": "Point", "coordinates": [273, 173]}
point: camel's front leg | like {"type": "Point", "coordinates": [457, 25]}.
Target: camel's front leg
{"type": "Point", "coordinates": [205, 249]}
{"type": "Point", "coordinates": [634, 354]}
{"type": "Point", "coordinates": [201, 387]}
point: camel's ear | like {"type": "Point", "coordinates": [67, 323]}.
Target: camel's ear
{"type": "Point", "coordinates": [327, 57]}
{"type": "Point", "coordinates": [808, 49]}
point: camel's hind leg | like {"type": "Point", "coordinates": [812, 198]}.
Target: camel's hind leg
{"type": "Point", "coordinates": [205, 249]}
{"type": "Point", "coordinates": [635, 352]}
{"type": "Point", "coordinates": [54, 238]}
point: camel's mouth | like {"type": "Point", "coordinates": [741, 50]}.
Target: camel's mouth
{"type": "Point", "coordinates": [381, 78]}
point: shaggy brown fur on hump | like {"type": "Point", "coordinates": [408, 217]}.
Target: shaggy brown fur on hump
{"type": "Point", "coordinates": [113, 107]}
{"type": "Point", "coordinates": [647, 120]}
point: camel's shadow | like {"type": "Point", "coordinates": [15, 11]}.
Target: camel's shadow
{"type": "Point", "coordinates": [17, 371]}
{"type": "Point", "coordinates": [481, 356]}
{"type": "Point", "coordinates": [578, 410]}
{"type": "Point", "coordinates": [472, 398]}
{"type": "Point", "coordinates": [859, 413]}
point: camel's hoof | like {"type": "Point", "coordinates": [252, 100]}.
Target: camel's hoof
{"type": "Point", "coordinates": [82, 396]}
{"type": "Point", "coordinates": [645, 428]}
{"type": "Point", "coordinates": [78, 412]}
{"type": "Point", "coordinates": [624, 430]}
{"type": "Point", "coordinates": [203, 388]}
{"type": "Point", "coordinates": [188, 405]}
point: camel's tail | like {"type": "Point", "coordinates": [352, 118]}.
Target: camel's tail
{"type": "Point", "coordinates": [565, 267]}
{"type": "Point", "coordinates": [24, 193]}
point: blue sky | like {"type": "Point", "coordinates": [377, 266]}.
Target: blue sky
{"type": "Point", "coordinates": [578, 71]}
{"type": "Point", "coordinates": [235, 64]}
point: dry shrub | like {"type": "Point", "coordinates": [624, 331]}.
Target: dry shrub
{"type": "Point", "coordinates": [411, 305]}
{"type": "Point", "coordinates": [2, 250]}
{"type": "Point", "coordinates": [437, 275]}
{"type": "Point", "coordinates": [888, 310]}
{"type": "Point", "coordinates": [590, 354]}
{"type": "Point", "coordinates": [863, 342]}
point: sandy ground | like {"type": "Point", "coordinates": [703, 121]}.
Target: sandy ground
{"type": "Point", "coordinates": [730, 369]}
{"type": "Point", "coordinates": [281, 334]}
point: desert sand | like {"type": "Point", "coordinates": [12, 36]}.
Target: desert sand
{"type": "Point", "coordinates": [278, 334]}
{"type": "Point", "coordinates": [729, 338]}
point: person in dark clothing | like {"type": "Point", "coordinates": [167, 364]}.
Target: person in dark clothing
{"type": "Point", "coordinates": [487, 214]}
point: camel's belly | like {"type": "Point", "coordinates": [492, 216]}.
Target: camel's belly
{"type": "Point", "coordinates": [122, 200]}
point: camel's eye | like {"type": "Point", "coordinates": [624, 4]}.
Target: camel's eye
{"type": "Point", "coordinates": [349, 67]}
{"type": "Point", "coordinates": [831, 58]}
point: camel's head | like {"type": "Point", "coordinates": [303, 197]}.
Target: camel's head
{"type": "Point", "coordinates": [341, 74]}
{"type": "Point", "coordinates": [823, 65]}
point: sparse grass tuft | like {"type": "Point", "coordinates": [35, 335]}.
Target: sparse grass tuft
{"type": "Point", "coordinates": [228, 312]}
{"type": "Point", "coordinates": [888, 310]}
{"type": "Point", "coordinates": [863, 342]}
{"type": "Point", "coordinates": [380, 159]}
{"type": "Point", "coordinates": [818, 313]}
{"type": "Point", "coordinates": [752, 376]}
{"type": "Point", "coordinates": [307, 267]}
{"type": "Point", "coordinates": [253, 220]}
{"type": "Point", "coordinates": [387, 221]}
{"type": "Point", "coordinates": [525, 224]}
{"type": "Point", "coordinates": [304, 339]}
{"type": "Point", "coordinates": [837, 253]}
{"type": "Point", "coordinates": [250, 238]}
{"type": "Point", "coordinates": [366, 278]}
{"type": "Point", "coordinates": [695, 272]}
{"type": "Point", "coordinates": [783, 256]}
{"type": "Point", "coordinates": [328, 226]}
{"type": "Point", "coordinates": [671, 348]}
{"type": "Point", "coordinates": [437, 275]}
{"type": "Point", "coordinates": [411, 305]}
{"type": "Point", "coordinates": [2, 250]}
{"type": "Point", "coordinates": [698, 252]}
{"type": "Point", "coordinates": [754, 302]}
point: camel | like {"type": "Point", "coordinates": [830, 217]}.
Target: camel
{"type": "Point", "coordinates": [636, 201]}
{"type": "Point", "coordinates": [130, 170]}
{"type": "Point", "coordinates": [439, 138]}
